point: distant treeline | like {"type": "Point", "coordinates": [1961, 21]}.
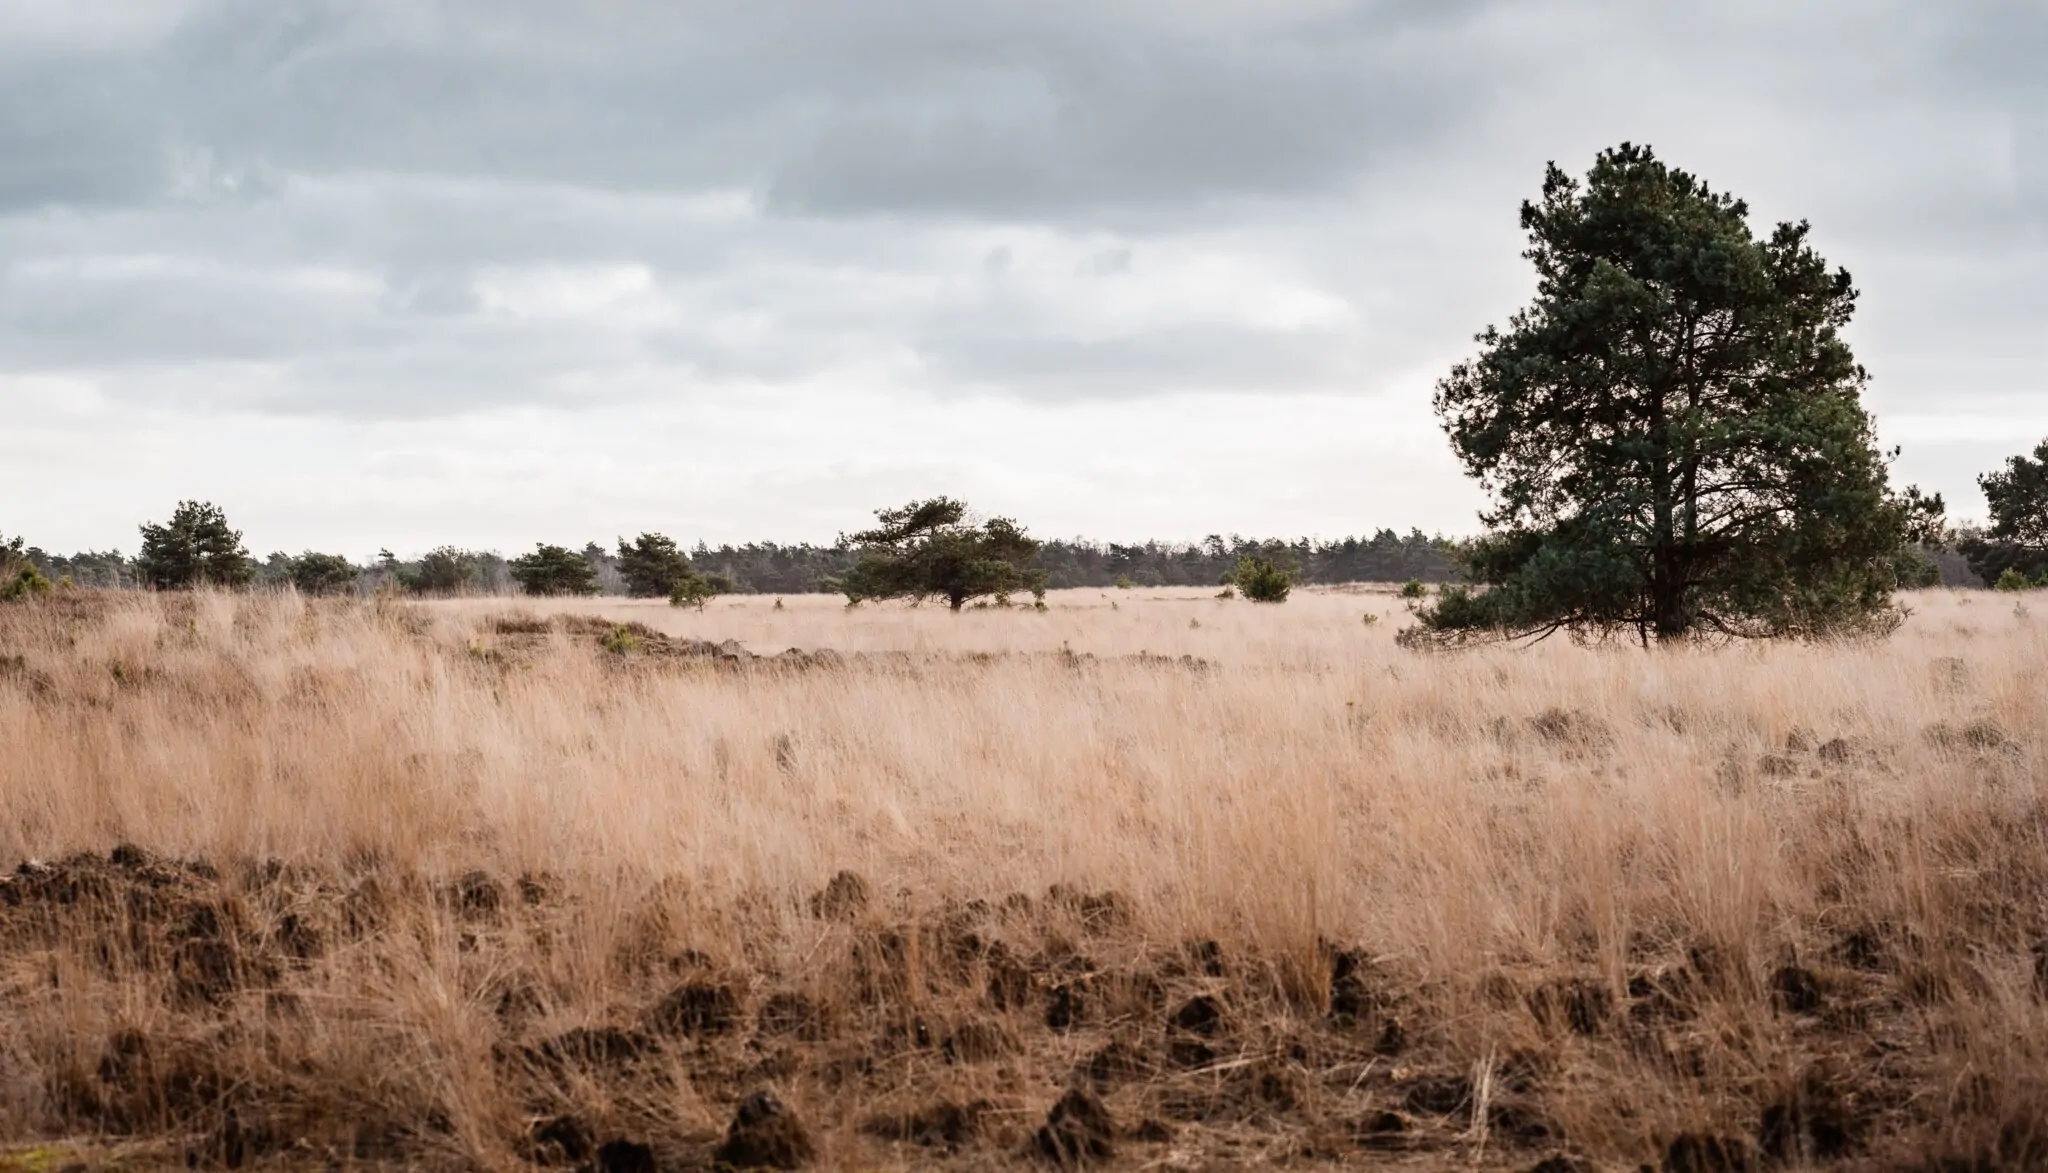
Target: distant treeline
{"type": "Point", "coordinates": [775, 569]}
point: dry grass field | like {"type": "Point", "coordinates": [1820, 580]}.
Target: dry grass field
{"type": "Point", "coordinates": [1148, 880]}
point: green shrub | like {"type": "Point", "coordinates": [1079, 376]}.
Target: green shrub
{"type": "Point", "coordinates": [620, 640]}
{"type": "Point", "coordinates": [1124, 583]}
{"type": "Point", "coordinates": [1261, 581]}
{"type": "Point", "coordinates": [1413, 589]}
{"type": "Point", "coordinates": [25, 584]}
{"type": "Point", "coordinates": [2013, 580]}
{"type": "Point", "coordinates": [19, 578]}
{"type": "Point", "coordinates": [321, 574]}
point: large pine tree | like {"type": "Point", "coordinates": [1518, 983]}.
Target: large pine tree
{"type": "Point", "coordinates": [1672, 433]}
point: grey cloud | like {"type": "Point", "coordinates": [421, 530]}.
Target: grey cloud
{"type": "Point", "coordinates": [972, 107]}
{"type": "Point", "coordinates": [416, 147]}
{"type": "Point", "coordinates": [412, 219]}
{"type": "Point", "coordinates": [1181, 358]}
{"type": "Point", "coordinates": [71, 134]}
{"type": "Point", "coordinates": [1099, 126]}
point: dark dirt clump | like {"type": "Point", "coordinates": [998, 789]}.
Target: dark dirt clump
{"type": "Point", "coordinates": [845, 897]}
{"type": "Point", "coordinates": [1063, 1007]}
{"type": "Point", "coordinates": [1352, 997]}
{"type": "Point", "coordinates": [1797, 989]}
{"type": "Point", "coordinates": [696, 1009]}
{"type": "Point", "coordinates": [1200, 1015]}
{"type": "Point", "coordinates": [1150, 1131]}
{"type": "Point", "coordinates": [477, 896]}
{"type": "Point", "coordinates": [1817, 1119]}
{"type": "Point", "coordinates": [1118, 1062]}
{"type": "Point", "coordinates": [539, 888]}
{"type": "Point", "coordinates": [1077, 1130]}
{"type": "Point", "coordinates": [791, 1013]}
{"type": "Point", "coordinates": [765, 1134]}
{"type": "Point", "coordinates": [1380, 1129]}
{"type": "Point", "coordinates": [624, 1156]}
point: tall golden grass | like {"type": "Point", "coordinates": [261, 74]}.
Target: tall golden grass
{"type": "Point", "coordinates": [1475, 823]}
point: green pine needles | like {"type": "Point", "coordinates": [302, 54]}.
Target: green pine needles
{"type": "Point", "coordinates": [1672, 433]}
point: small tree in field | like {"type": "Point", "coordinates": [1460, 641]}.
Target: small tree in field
{"type": "Point", "coordinates": [554, 570]}
{"type": "Point", "coordinates": [1672, 433]}
{"type": "Point", "coordinates": [321, 574]}
{"type": "Point", "coordinates": [195, 548]}
{"type": "Point", "coordinates": [1262, 581]}
{"type": "Point", "coordinates": [928, 548]}
{"type": "Point", "coordinates": [652, 566]}
{"type": "Point", "coordinates": [695, 590]}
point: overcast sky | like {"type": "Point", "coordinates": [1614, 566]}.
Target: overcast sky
{"type": "Point", "coordinates": [404, 272]}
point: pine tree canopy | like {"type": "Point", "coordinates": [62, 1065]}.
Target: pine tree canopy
{"type": "Point", "coordinates": [1671, 433]}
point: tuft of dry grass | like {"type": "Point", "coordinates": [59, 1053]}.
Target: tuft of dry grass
{"type": "Point", "coordinates": [490, 884]}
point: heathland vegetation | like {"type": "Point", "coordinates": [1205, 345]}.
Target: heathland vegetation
{"type": "Point", "coordinates": [487, 884]}
{"type": "Point", "coordinates": [636, 872]}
